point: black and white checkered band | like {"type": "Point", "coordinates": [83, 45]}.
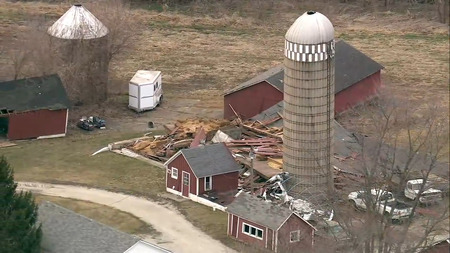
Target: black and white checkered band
{"type": "Point", "coordinates": [309, 53]}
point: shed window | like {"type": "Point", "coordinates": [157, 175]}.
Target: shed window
{"type": "Point", "coordinates": [208, 183]}
{"type": "Point", "coordinates": [295, 236]}
{"type": "Point", "coordinates": [252, 231]}
{"type": "Point", "coordinates": [174, 173]}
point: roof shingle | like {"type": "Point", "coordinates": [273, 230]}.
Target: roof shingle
{"type": "Point", "coordinates": [210, 160]}
{"type": "Point", "coordinates": [46, 92]}
{"type": "Point", "coordinates": [351, 67]}
{"type": "Point", "coordinates": [259, 211]}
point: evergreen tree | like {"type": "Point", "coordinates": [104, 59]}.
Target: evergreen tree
{"type": "Point", "coordinates": [19, 231]}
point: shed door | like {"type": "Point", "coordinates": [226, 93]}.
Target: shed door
{"type": "Point", "coordinates": [185, 184]}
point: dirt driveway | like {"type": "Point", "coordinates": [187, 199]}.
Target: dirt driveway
{"type": "Point", "coordinates": [177, 234]}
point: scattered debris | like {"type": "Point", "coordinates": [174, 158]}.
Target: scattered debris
{"type": "Point", "coordinates": [108, 148]}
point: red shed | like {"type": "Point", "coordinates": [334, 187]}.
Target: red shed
{"type": "Point", "coordinates": [358, 79]}
{"type": "Point", "coordinates": [195, 171]}
{"type": "Point", "coordinates": [265, 225]}
{"type": "Point", "coordinates": [35, 107]}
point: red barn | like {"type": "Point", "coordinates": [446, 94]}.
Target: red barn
{"type": "Point", "coordinates": [35, 107]}
{"type": "Point", "coordinates": [358, 79]}
{"type": "Point", "coordinates": [195, 171]}
{"type": "Point", "coordinates": [265, 225]}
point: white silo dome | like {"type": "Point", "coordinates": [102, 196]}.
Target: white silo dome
{"type": "Point", "coordinates": [78, 23]}
{"type": "Point", "coordinates": [311, 28]}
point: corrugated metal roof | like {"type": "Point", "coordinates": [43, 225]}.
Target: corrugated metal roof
{"type": "Point", "coordinates": [78, 23]}
{"type": "Point", "coordinates": [259, 211]}
{"type": "Point", "coordinates": [209, 160]}
{"type": "Point", "coordinates": [46, 92]}
{"type": "Point", "coordinates": [351, 67]}
{"type": "Point", "coordinates": [311, 28]}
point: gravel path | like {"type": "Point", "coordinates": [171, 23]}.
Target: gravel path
{"type": "Point", "coordinates": [177, 234]}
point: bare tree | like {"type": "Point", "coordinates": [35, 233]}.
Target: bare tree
{"type": "Point", "coordinates": [83, 65]}
{"type": "Point", "coordinates": [386, 163]}
{"type": "Point", "coordinates": [442, 7]}
{"type": "Point", "coordinates": [122, 26]}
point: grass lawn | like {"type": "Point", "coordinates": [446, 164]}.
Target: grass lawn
{"type": "Point", "coordinates": [68, 160]}
{"type": "Point", "coordinates": [119, 220]}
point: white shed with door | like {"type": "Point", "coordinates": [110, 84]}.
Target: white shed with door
{"type": "Point", "coordinates": [145, 90]}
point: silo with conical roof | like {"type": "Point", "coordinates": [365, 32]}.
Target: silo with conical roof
{"type": "Point", "coordinates": [309, 105]}
{"type": "Point", "coordinates": [80, 45]}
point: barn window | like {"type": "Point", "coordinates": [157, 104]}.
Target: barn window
{"type": "Point", "coordinates": [252, 231]}
{"type": "Point", "coordinates": [208, 183]}
{"type": "Point", "coordinates": [174, 173]}
{"type": "Point", "coordinates": [295, 236]}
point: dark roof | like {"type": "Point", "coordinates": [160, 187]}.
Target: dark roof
{"type": "Point", "coordinates": [34, 93]}
{"type": "Point", "coordinates": [65, 231]}
{"type": "Point", "coordinates": [259, 211]}
{"type": "Point", "coordinates": [210, 160]}
{"type": "Point", "coordinates": [351, 67]}
{"type": "Point", "coordinates": [269, 74]}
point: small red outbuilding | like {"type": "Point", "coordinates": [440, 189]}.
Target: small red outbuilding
{"type": "Point", "coordinates": [265, 225]}
{"type": "Point", "coordinates": [358, 79]}
{"type": "Point", "coordinates": [35, 107]}
{"type": "Point", "coordinates": [195, 171]}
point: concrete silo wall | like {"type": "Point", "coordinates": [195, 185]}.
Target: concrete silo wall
{"type": "Point", "coordinates": [83, 67]}
{"type": "Point", "coordinates": [308, 116]}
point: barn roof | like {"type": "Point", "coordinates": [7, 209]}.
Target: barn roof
{"type": "Point", "coordinates": [210, 160]}
{"type": "Point", "coordinates": [259, 211]}
{"type": "Point", "coordinates": [351, 67]}
{"type": "Point", "coordinates": [272, 72]}
{"type": "Point", "coordinates": [46, 92]}
{"type": "Point", "coordinates": [65, 231]}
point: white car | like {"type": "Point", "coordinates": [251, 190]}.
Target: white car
{"type": "Point", "coordinates": [428, 196]}
{"type": "Point", "coordinates": [385, 203]}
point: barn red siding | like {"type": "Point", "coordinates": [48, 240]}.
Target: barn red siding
{"type": "Point", "coordinates": [270, 239]}
{"type": "Point", "coordinates": [221, 183]}
{"type": "Point", "coordinates": [252, 100]}
{"type": "Point", "coordinates": [237, 229]}
{"type": "Point", "coordinates": [175, 184]}
{"type": "Point", "coordinates": [33, 124]}
{"type": "Point", "coordinates": [358, 93]}
{"type": "Point", "coordinates": [234, 221]}
{"type": "Point", "coordinates": [292, 224]}
{"type": "Point", "coordinates": [259, 97]}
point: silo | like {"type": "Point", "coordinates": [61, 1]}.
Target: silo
{"type": "Point", "coordinates": [79, 42]}
{"type": "Point", "coordinates": [309, 105]}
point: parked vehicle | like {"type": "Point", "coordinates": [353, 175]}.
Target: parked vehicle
{"type": "Point", "coordinates": [428, 196]}
{"type": "Point", "coordinates": [85, 124]}
{"type": "Point", "coordinates": [385, 203]}
{"type": "Point", "coordinates": [97, 122]}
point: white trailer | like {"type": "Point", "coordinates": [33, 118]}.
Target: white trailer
{"type": "Point", "coordinates": [145, 90]}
